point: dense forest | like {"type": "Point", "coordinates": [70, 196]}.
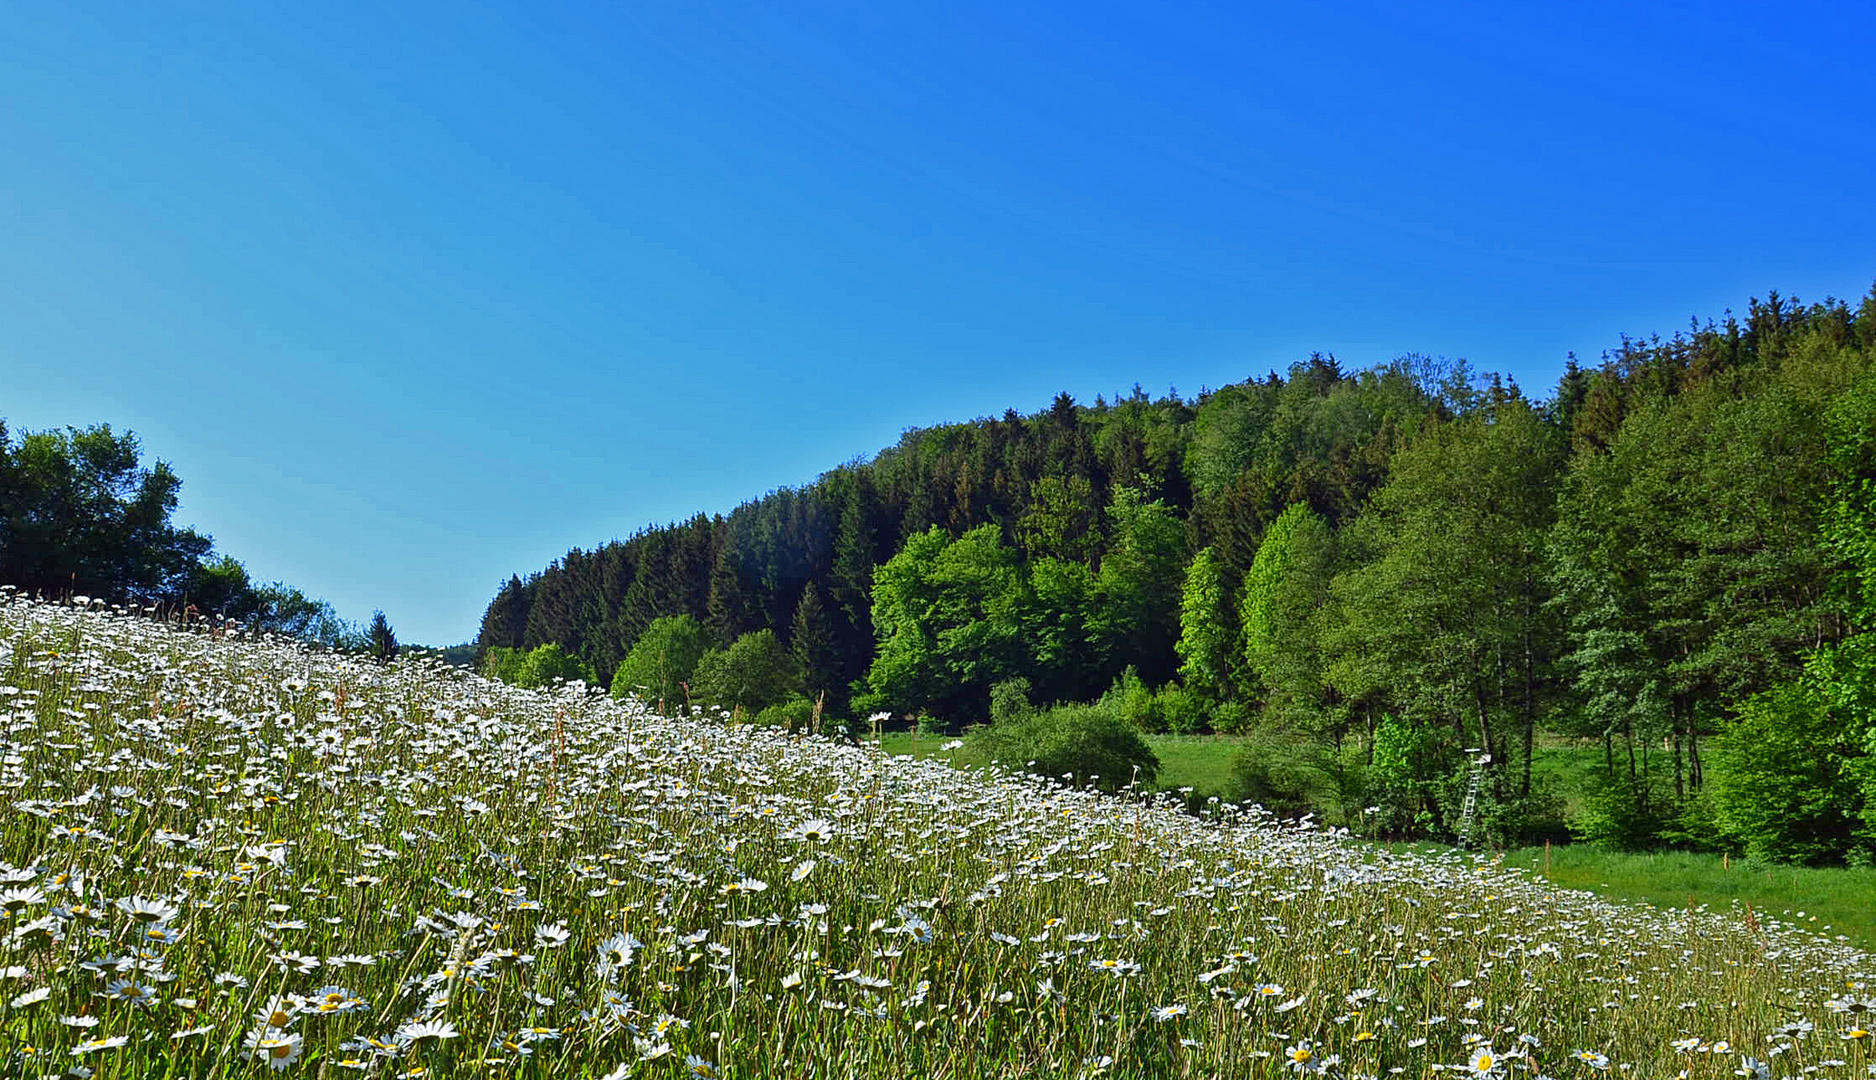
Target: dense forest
{"type": "Point", "coordinates": [1388, 572]}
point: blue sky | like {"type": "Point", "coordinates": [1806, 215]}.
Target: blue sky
{"type": "Point", "coordinates": [415, 296]}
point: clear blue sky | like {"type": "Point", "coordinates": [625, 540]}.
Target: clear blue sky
{"type": "Point", "coordinates": [417, 295]}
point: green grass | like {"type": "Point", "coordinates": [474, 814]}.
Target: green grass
{"type": "Point", "coordinates": [1200, 762]}
{"type": "Point", "coordinates": [1823, 900]}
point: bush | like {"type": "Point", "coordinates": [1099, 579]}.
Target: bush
{"type": "Point", "coordinates": [1786, 789]}
{"type": "Point", "coordinates": [1009, 699]}
{"type": "Point", "coordinates": [1133, 701]}
{"type": "Point", "coordinates": [795, 714]}
{"type": "Point", "coordinates": [1623, 812]}
{"type": "Point", "coordinates": [536, 667]}
{"type": "Point", "coordinates": [1287, 777]}
{"type": "Point", "coordinates": [1083, 745]}
{"type": "Point", "coordinates": [754, 673]}
{"type": "Point", "coordinates": [1183, 711]}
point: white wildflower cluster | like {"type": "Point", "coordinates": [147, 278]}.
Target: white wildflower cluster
{"type": "Point", "coordinates": [229, 856]}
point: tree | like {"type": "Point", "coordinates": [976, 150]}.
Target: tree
{"type": "Point", "coordinates": [1139, 582]}
{"type": "Point", "coordinates": [949, 615]}
{"type": "Point", "coordinates": [80, 514]}
{"type": "Point", "coordinates": [1280, 611]}
{"type": "Point", "coordinates": [383, 640]}
{"type": "Point", "coordinates": [1443, 609]}
{"type": "Point", "coordinates": [1204, 630]}
{"type": "Point", "coordinates": [754, 672]}
{"type": "Point", "coordinates": [812, 644]}
{"type": "Point", "coordinates": [662, 661]}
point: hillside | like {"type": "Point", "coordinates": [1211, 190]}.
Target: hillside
{"type": "Point", "coordinates": [226, 849]}
{"type": "Point", "coordinates": [1408, 561]}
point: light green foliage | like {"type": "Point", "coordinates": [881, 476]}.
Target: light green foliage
{"type": "Point", "coordinates": [1182, 711]}
{"type": "Point", "coordinates": [1787, 792]}
{"type": "Point", "coordinates": [1079, 745]}
{"type": "Point", "coordinates": [796, 713]}
{"type": "Point", "coordinates": [753, 673]}
{"type": "Point", "coordinates": [1205, 637]}
{"type": "Point", "coordinates": [1444, 608]}
{"type": "Point", "coordinates": [1411, 764]}
{"type": "Point", "coordinates": [661, 661]}
{"type": "Point", "coordinates": [503, 663]}
{"type": "Point", "coordinates": [1009, 699]}
{"type": "Point", "coordinates": [1281, 611]}
{"type": "Point", "coordinates": [544, 665]}
{"type": "Point", "coordinates": [950, 617]}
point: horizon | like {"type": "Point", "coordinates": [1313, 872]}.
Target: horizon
{"type": "Point", "coordinates": [414, 300]}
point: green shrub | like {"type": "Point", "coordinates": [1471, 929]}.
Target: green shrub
{"type": "Point", "coordinates": [1287, 777]}
{"type": "Point", "coordinates": [754, 673]}
{"type": "Point", "coordinates": [1787, 789]}
{"type": "Point", "coordinates": [662, 661]}
{"type": "Point", "coordinates": [796, 714]}
{"type": "Point", "coordinates": [1082, 745]}
{"type": "Point", "coordinates": [536, 667]}
{"type": "Point", "coordinates": [1183, 711]}
{"type": "Point", "coordinates": [1009, 699]}
{"type": "Point", "coordinates": [1623, 812]}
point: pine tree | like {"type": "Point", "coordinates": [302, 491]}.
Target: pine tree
{"type": "Point", "coordinates": [812, 642]}
{"type": "Point", "coordinates": [383, 639]}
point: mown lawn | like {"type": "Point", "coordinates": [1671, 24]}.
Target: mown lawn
{"type": "Point", "coordinates": [1200, 762]}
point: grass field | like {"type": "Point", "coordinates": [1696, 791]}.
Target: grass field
{"type": "Point", "coordinates": [229, 858]}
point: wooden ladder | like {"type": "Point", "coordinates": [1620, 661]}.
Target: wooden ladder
{"type": "Point", "coordinates": [1468, 813]}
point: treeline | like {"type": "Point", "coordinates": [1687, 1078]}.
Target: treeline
{"type": "Point", "coordinates": [81, 515]}
{"type": "Point", "coordinates": [1383, 574]}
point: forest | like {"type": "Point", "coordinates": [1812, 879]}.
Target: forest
{"type": "Point", "coordinates": [1665, 566]}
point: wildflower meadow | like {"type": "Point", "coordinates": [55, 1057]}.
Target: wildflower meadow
{"type": "Point", "coordinates": [235, 857]}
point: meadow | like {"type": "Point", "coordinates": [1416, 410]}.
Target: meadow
{"type": "Point", "coordinates": [230, 857]}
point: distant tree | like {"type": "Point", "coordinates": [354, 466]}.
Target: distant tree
{"type": "Point", "coordinates": [754, 672]}
{"type": "Point", "coordinates": [1284, 595]}
{"type": "Point", "coordinates": [383, 640]}
{"type": "Point", "coordinates": [662, 661]}
{"type": "Point", "coordinates": [79, 513]}
{"type": "Point", "coordinates": [1062, 520]}
{"type": "Point", "coordinates": [816, 654]}
{"type": "Point", "coordinates": [1205, 632]}
{"type": "Point", "coordinates": [546, 664]}
{"type": "Point", "coordinates": [1140, 581]}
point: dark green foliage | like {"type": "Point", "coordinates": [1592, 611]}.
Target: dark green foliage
{"type": "Point", "coordinates": [1078, 745]}
{"type": "Point", "coordinates": [81, 514]}
{"type": "Point", "coordinates": [816, 649]}
{"type": "Point", "coordinates": [383, 638]}
{"type": "Point", "coordinates": [1287, 776]}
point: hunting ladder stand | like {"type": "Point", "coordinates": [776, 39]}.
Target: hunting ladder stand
{"type": "Point", "coordinates": [1468, 813]}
